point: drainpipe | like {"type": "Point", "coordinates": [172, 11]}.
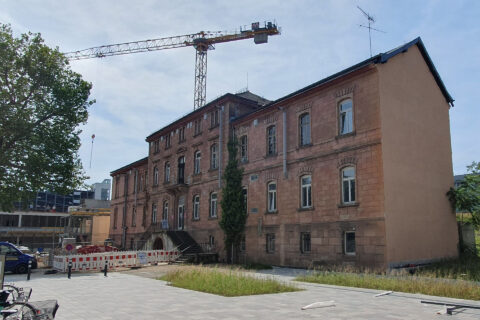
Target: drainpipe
{"type": "Point", "coordinates": [285, 175]}
{"type": "Point", "coordinates": [220, 148]}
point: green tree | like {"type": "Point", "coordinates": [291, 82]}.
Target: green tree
{"type": "Point", "coordinates": [234, 215]}
{"type": "Point", "coordinates": [42, 102]}
{"type": "Point", "coordinates": [466, 197]}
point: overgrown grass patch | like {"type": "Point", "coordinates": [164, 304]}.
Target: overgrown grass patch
{"type": "Point", "coordinates": [467, 267]}
{"type": "Point", "coordinates": [410, 284]}
{"type": "Point", "coordinates": [228, 283]}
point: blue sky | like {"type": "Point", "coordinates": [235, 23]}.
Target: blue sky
{"type": "Point", "coordinates": [139, 93]}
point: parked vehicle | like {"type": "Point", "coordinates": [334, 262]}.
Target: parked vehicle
{"type": "Point", "coordinates": [15, 260]}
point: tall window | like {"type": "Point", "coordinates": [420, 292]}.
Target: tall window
{"type": "Point", "coordinates": [196, 162]}
{"type": "Point", "coordinates": [306, 190]}
{"type": "Point", "coordinates": [197, 127]}
{"type": "Point", "coordinates": [213, 205]}
{"type": "Point", "coordinates": [167, 141]}
{"type": "Point", "coordinates": [117, 185]}
{"type": "Point", "coordinates": [270, 239]}
{"type": "Point", "coordinates": [167, 172]}
{"type": "Point", "coordinates": [345, 115]}
{"type": "Point", "coordinates": [348, 185]}
{"type": "Point", "coordinates": [165, 211]}
{"type": "Point", "coordinates": [181, 134]}
{"type": "Point", "coordinates": [214, 156]}
{"type": "Point", "coordinates": [154, 213]}
{"type": "Point", "coordinates": [305, 243]}
{"type": "Point", "coordinates": [156, 146]}
{"type": "Point", "coordinates": [271, 141]}
{"type": "Point", "coordinates": [155, 176]}
{"type": "Point", "coordinates": [214, 118]}
{"type": "Point", "coordinates": [243, 148]}
{"type": "Point", "coordinates": [349, 244]}
{"type": "Point", "coordinates": [144, 216]}
{"type": "Point", "coordinates": [272, 197]}
{"type": "Point", "coordinates": [245, 199]}
{"type": "Point", "coordinates": [141, 185]}
{"type": "Point", "coordinates": [196, 207]}
{"type": "Point", "coordinates": [305, 129]}
{"type": "Point", "coordinates": [134, 217]}
{"type": "Point", "coordinates": [115, 218]}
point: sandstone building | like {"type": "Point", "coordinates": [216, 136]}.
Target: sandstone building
{"type": "Point", "coordinates": [352, 169]}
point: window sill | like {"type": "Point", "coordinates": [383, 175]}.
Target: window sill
{"type": "Point", "coordinates": [273, 155]}
{"type": "Point", "coordinates": [303, 146]}
{"type": "Point", "coordinates": [195, 219]}
{"type": "Point", "coordinates": [166, 183]}
{"type": "Point", "coordinates": [182, 141]}
{"type": "Point", "coordinates": [244, 161]}
{"type": "Point", "coordinates": [212, 218]}
{"type": "Point", "coordinates": [271, 212]}
{"type": "Point", "coordinates": [214, 126]}
{"type": "Point", "coordinates": [212, 169]}
{"type": "Point", "coordinates": [199, 174]}
{"type": "Point", "coordinates": [347, 205]}
{"type": "Point", "coordinates": [269, 252]}
{"type": "Point", "coordinates": [305, 253]}
{"type": "Point", "coordinates": [346, 135]}
{"type": "Point", "coordinates": [197, 134]}
{"type": "Point", "coordinates": [306, 209]}
{"type": "Point", "coordinates": [156, 152]}
{"type": "Point", "coordinates": [167, 147]}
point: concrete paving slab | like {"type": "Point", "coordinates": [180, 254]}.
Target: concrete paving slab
{"type": "Point", "coordinates": [128, 296]}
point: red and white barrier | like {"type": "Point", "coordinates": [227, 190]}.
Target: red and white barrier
{"type": "Point", "coordinates": [119, 259]}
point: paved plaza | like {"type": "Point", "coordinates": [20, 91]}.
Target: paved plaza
{"type": "Point", "coordinates": [135, 295]}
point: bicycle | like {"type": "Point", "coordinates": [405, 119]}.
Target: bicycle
{"type": "Point", "coordinates": [38, 310]}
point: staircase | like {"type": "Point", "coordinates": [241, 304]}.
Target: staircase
{"type": "Point", "coordinates": [184, 242]}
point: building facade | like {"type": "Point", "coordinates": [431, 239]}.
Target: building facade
{"type": "Point", "coordinates": [352, 169]}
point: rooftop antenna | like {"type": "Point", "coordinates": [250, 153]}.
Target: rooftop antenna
{"type": "Point", "coordinates": [371, 20]}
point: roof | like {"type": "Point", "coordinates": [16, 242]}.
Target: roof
{"type": "Point", "coordinates": [129, 166]}
{"type": "Point", "coordinates": [379, 58]}
{"type": "Point", "coordinates": [245, 96]}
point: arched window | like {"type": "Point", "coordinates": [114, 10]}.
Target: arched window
{"type": "Point", "coordinates": [154, 213]}
{"type": "Point", "coordinates": [271, 141]}
{"type": "Point", "coordinates": [272, 197]}
{"type": "Point", "coordinates": [196, 162]}
{"type": "Point", "coordinates": [306, 191]}
{"type": "Point", "coordinates": [213, 205]}
{"type": "Point", "coordinates": [196, 207]}
{"type": "Point", "coordinates": [167, 172]}
{"type": "Point", "coordinates": [165, 211]}
{"type": "Point", "coordinates": [305, 129]}
{"type": "Point", "coordinates": [214, 156]}
{"type": "Point", "coordinates": [345, 115]}
{"type": "Point", "coordinates": [155, 176]}
{"type": "Point", "coordinates": [348, 185]}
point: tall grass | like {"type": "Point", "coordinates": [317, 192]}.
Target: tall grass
{"type": "Point", "coordinates": [411, 284]}
{"type": "Point", "coordinates": [228, 283]}
{"type": "Point", "coordinates": [467, 267]}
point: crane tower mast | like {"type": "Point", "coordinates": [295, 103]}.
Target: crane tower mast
{"type": "Point", "coordinates": [201, 41]}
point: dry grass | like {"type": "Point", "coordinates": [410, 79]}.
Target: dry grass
{"type": "Point", "coordinates": [410, 284]}
{"type": "Point", "coordinates": [228, 283]}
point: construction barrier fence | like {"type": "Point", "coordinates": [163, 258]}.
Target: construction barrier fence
{"type": "Point", "coordinates": [119, 259]}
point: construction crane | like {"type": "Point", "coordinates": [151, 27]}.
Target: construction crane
{"type": "Point", "coordinates": [201, 41]}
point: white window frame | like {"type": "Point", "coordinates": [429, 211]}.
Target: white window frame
{"type": "Point", "coordinates": [155, 176]}
{"type": "Point", "coordinates": [307, 187]}
{"type": "Point", "coordinates": [350, 180]}
{"type": "Point", "coordinates": [272, 140]}
{"type": "Point", "coordinates": [165, 211]}
{"type": "Point", "coordinates": [272, 197]}
{"type": "Point", "coordinates": [345, 127]}
{"type": "Point", "coordinates": [196, 207]}
{"type": "Point", "coordinates": [167, 172]}
{"type": "Point", "coordinates": [350, 253]}
{"type": "Point", "coordinates": [197, 158]}
{"type": "Point", "coordinates": [305, 137]}
{"type": "Point", "coordinates": [214, 156]}
{"type": "Point", "coordinates": [154, 213]}
{"type": "Point", "coordinates": [213, 205]}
